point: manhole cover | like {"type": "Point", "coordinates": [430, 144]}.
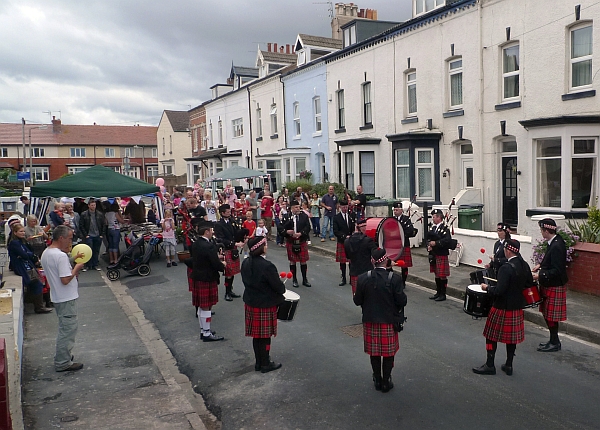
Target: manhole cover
{"type": "Point", "coordinates": [355, 330]}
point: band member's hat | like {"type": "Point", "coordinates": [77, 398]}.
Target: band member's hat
{"type": "Point", "coordinates": [502, 226]}
{"type": "Point", "coordinates": [361, 221]}
{"type": "Point", "coordinates": [294, 202]}
{"type": "Point", "coordinates": [224, 207]}
{"type": "Point", "coordinates": [548, 223]}
{"type": "Point", "coordinates": [378, 255]}
{"type": "Point", "coordinates": [398, 205]}
{"type": "Point", "coordinates": [437, 212]}
{"type": "Point", "coordinates": [343, 202]}
{"type": "Point", "coordinates": [512, 245]}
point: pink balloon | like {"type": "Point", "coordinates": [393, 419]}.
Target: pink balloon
{"type": "Point", "coordinates": [160, 182]}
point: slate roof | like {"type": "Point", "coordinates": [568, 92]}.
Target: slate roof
{"type": "Point", "coordinates": [179, 119]}
{"type": "Point", "coordinates": [277, 57]}
{"type": "Point", "coordinates": [323, 42]}
{"type": "Point", "coordinates": [251, 72]}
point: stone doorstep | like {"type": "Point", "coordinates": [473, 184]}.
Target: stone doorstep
{"type": "Point", "coordinates": [531, 315]}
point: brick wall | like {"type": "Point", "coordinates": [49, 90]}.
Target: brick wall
{"type": "Point", "coordinates": [584, 271]}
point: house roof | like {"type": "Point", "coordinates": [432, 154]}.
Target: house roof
{"type": "Point", "coordinates": [277, 57]}
{"type": "Point", "coordinates": [179, 119]}
{"type": "Point", "coordinates": [251, 72]}
{"type": "Point", "coordinates": [322, 42]}
{"type": "Point", "coordinates": [11, 134]}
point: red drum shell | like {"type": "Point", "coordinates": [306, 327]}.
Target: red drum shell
{"type": "Point", "coordinates": [388, 234]}
{"type": "Point", "coordinates": [532, 296]}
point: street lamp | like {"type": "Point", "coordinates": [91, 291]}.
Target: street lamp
{"type": "Point", "coordinates": [40, 127]}
{"type": "Point", "coordinates": [143, 173]}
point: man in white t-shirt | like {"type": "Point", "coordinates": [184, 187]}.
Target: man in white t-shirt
{"type": "Point", "coordinates": [63, 292]}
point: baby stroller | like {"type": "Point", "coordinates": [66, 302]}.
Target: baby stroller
{"type": "Point", "coordinates": [134, 259]}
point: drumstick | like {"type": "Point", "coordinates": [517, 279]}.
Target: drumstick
{"type": "Point", "coordinates": [489, 279]}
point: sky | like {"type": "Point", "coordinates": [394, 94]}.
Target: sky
{"type": "Point", "coordinates": [122, 62]}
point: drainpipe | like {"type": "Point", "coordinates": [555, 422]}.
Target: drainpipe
{"type": "Point", "coordinates": [283, 112]}
{"type": "Point", "coordinates": [481, 108]}
{"type": "Point", "coordinates": [251, 166]}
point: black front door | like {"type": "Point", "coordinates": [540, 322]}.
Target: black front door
{"type": "Point", "coordinates": [509, 191]}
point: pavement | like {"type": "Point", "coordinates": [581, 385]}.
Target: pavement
{"type": "Point", "coordinates": [131, 380]}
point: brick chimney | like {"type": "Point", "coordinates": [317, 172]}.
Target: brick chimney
{"type": "Point", "coordinates": [56, 125]}
{"type": "Point", "coordinates": [274, 47]}
{"type": "Point", "coordinates": [287, 49]}
{"type": "Point", "coordinates": [269, 47]}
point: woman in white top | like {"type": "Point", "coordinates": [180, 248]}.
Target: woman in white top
{"type": "Point", "coordinates": [210, 206]}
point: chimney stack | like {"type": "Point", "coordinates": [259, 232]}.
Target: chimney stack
{"type": "Point", "coordinates": [275, 47]}
{"type": "Point", "coordinates": [287, 48]}
{"type": "Point", "coordinates": [269, 47]}
{"type": "Point", "coordinates": [56, 125]}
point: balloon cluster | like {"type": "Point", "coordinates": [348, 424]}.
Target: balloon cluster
{"type": "Point", "coordinates": [160, 182]}
{"type": "Point", "coordinates": [480, 261]}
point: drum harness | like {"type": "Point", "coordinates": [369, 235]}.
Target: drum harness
{"type": "Point", "coordinates": [399, 318]}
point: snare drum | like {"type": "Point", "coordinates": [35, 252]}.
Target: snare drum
{"type": "Point", "coordinates": [477, 302]}
{"type": "Point", "coordinates": [287, 309]}
{"type": "Point", "coordinates": [532, 296]}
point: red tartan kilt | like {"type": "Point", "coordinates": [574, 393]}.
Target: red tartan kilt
{"type": "Point", "coordinates": [340, 253]}
{"type": "Point", "coordinates": [353, 283]}
{"type": "Point", "coordinates": [505, 326]}
{"type": "Point", "coordinates": [407, 257]}
{"type": "Point", "coordinates": [554, 304]}
{"type": "Point", "coordinates": [190, 280]}
{"type": "Point", "coordinates": [232, 267]}
{"type": "Point", "coordinates": [260, 322]}
{"type": "Point", "coordinates": [300, 257]}
{"type": "Point", "coordinates": [441, 268]}
{"type": "Point", "coordinates": [380, 339]}
{"type": "Point", "coordinates": [205, 294]}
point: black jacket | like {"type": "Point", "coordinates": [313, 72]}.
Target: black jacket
{"type": "Point", "coordinates": [443, 240]}
{"type": "Point", "coordinates": [206, 264]}
{"type": "Point", "coordinates": [358, 250]}
{"type": "Point", "coordinates": [513, 277]}
{"type": "Point", "coordinates": [303, 226]}
{"type": "Point", "coordinates": [263, 286]}
{"type": "Point", "coordinates": [227, 232]}
{"type": "Point", "coordinates": [408, 228]}
{"type": "Point", "coordinates": [499, 257]}
{"type": "Point", "coordinates": [553, 269]}
{"type": "Point", "coordinates": [341, 229]}
{"type": "Point", "coordinates": [380, 303]}
{"type": "Point", "coordinates": [86, 219]}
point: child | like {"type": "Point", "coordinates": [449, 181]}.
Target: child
{"type": "Point", "coordinates": [168, 234]}
{"type": "Point", "coordinates": [261, 230]}
{"type": "Point", "coordinates": [250, 225]}
{"type": "Point", "coordinates": [210, 206]}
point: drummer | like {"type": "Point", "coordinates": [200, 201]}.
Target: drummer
{"type": "Point", "coordinates": [263, 293]}
{"type": "Point", "coordinates": [358, 250]}
{"type": "Point", "coordinates": [498, 259]}
{"type": "Point", "coordinates": [381, 295]}
{"type": "Point", "coordinates": [409, 231]}
{"type": "Point", "coordinates": [505, 322]}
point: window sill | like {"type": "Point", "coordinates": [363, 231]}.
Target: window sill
{"type": "Point", "coordinates": [366, 127]}
{"type": "Point", "coordinates": [340, 130]}
{"type": "Point", "coordinates": [579, 95]}
{"type": "Point", "coordinates": [259, 139]}
{"type": "Point", "coordinates": [274, 136]}
{"type": "Point", "coordinates": [412, 120]}
{"type": "Point", "coordinates": [317, 134]}
{"type": "Point", "coordinates": [506, 106]}
{"type": "Point", "coordinates": [452, 113]}
{"type": "Point", "coordinates": [568, 214]}
{"type": "Point", "coordinates": [298, 137]}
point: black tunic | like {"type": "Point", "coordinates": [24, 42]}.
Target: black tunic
{"type": "Point", "coordinates": [227, 232]}
{"type": "Point", "coordinates": [408, 228]}
{"type": "Point", "coordinates": [553, 269]}
{"type": "Point", "coordinates": [443, 240]}
{"type": "Point", "coordinates": [513, 277]}
{"type": "Point", "coordinates": [263, 286]}
{"type": "Point", "coordinates": [303, 226]}
{"type": "Point", "coordinates": [358, 249]}
{"type": "Point", "coordinates": [379, 302]}
{"type": "Point", "coordinates": [341, 229]}
{"type": "Point", "coordinates": [206, 264]}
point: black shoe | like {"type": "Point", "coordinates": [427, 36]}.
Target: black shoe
{"type": "Point", "coordinates": [387, 385]}
{"type": "Point", "coordinates": [173, 263]}
{"type": "Point", "coordinates": [72, 368]}
{"type": "Point", "coordinates": [440, 298]}
{"type": "Point", "coordinates": [257, 367]}
{"type": "Point", "coordinates": [295, 284]}
{"type": "Point", "coordinates": [435, 296]}
{"type": "Point", "coordinates": [485, 370]}
{"type": "Point", "coordinates": [211, 332]}
{"type": "Point", "coordinates": [543, 344]}
{"type": "Point", "coordinates": [550, 347]}
{"type": "Point", "coordinates": [43, 311]}
{"type": "Point", "coordinates": [343, 282]}
{"type": "Point", "coordinates": [272, 366]}
{"type": "Point", "coordinates": [228, 297]}
{"type": "Point", "coordinates": [377, 381]}
{"type": "Point", "coordinates": [506, 369]}
{"type": "Point", "coordinates": [234, 295]}
{"type": "Point", "coordinates": [306, 283]}
{"type": "Point", "coordinates": [212, 338]}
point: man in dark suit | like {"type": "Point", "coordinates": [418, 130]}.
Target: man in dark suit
{"type": "Point", "coordinates": [227, 232]}
{"type": "Point", "coordinates": [551, 275]}
{"type": "Point", "coordinates": [439, 243]}
{"type": "Point", "coordinates": [295, 227]}
{"type": "Point", "coordinates": [205, 274]}
{"type": "Point", "coordinates": [343, 227]}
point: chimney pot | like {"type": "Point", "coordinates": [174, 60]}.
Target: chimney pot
{"type": "Point", "coordinates": [269, 47]}
{"type": "Point", "coordinates": [275, 47]}
{"type": "Point", "coordinates": [287, 48]}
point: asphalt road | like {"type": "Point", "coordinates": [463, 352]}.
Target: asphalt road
{"type": "Point", "coordinates": [325, 381]}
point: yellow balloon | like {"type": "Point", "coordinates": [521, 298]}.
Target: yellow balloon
{"type": "Point", "coordinates": [82, 248]}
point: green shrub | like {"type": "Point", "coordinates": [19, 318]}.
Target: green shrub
{"type": "Point", "coordinates": [587, 230]}
{"type": "Point", "coordinates": [339, 189]}
{"type": "Point", "coordinates": [293, 185]}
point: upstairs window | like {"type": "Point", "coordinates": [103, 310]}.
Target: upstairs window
{"type": "Point", "coordinates": [37, 153]}
{"type": "Point", "coordinates": [367, 108]}
{"type": "Point", "coordinates": [3, 152]}
{"type": "Point", "coordinates": [273, 115]}
{"type": "Point", "coordinates": [78, 152]}
{"type": "Point", "coordinates": [258, 121]}
{"type": "Point", "coordinates": [109, 152]}
{"type": "Point", "coordinates": [238, 127]}
{"type": "Point", "coordinates": [317, 114]}
{"type": "Point", "coordinates": [581, 56]}
{"type": "Point", "coordinates": [296, 113]}
{"type": "Point", "coordinates": [411, 93]}
{"type": "Point", "coordinates": [340, 111]}
{"type": "Point", "coordinates": [211, 138]}
{"type": "Point", "coordinates": [510, 72]}
{"type": "Point", "coordinates": [220, 133]}
{"type": "Point", "coordinates": [455, 70]}
{"type": "Point", "coordinates": [424, 6]}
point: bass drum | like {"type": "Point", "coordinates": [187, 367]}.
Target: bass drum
{"type": "Point", "coordinates": [388, 234]}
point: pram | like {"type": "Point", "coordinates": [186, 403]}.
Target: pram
{"type": "Point", "coordinates": [134, 259]}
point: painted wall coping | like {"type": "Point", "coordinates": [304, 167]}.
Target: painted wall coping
{"type": "Point", "coordinates": [587, 247]}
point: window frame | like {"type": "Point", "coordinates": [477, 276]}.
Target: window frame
{"type": "Point", "coordinates": [538, 176]}
{"type": "Point", "coordinates": [408, 83]}
{"type": "Point", "coordinates": [587, 155]}
{"type": "Point", "coordinates": [258, 121]}
{"type": "Point", "coordinates": [367, 111]}
{"type": "Point", "coordinates": [581, 59]}
{"type": "Point", "coordinates": [349, 170]}
{"type": "Point", "coordinates": [211, 137]}
{"type": "Point", "coordinates": [37, 152]}
{"type": "Point", "coordinates": [109, 153]}
{"type": "Point", "coordinates": [296, 120]}
{"type": "Point", "coordinates": [318, 124]}
{"type": "Point", "coordinates": [362, 174]}
{"type": "Point", "coordinates": [423, 10]}
{"type": "Point", "coordinates": [451, 74]}
{"type": "Point", "coordinates": [431, 166]}
{"type": "Point", "coordinates": [506, 75]}
{"type": "Point", "coordinates": [43, 172]}
{"type": "Point", "coordinates": [237, 126]}
{"type": "Point", "coordinates": [273, 116]}
{"type": "Point", "coordinates": [401, 166]}
{"type": "Point", "coordinates": [341, 112]}
{"type": "Point", "coordinates": [77, 169]}
{"type": "Point", "coordinates": [150, 170]}
{"type": "Point", "coordinates": [220, 132]}
{"type": "Point", "coordinates": [4, 152]}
